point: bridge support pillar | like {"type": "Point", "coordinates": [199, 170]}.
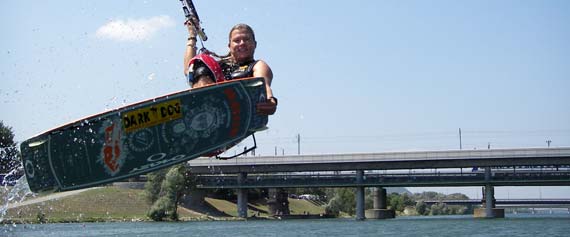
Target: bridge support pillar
{"type": "Point", "coordinates": [489, 200]}
{"type": "Point", "coordinates": [379, 210]}
{"type": "Point", "coordinates": [489, 195]}
{"type": "Point", "coordinates": [360, 196]}
{"type": "Point", "coordinates": [379, 198]}
{"type": "Point", "coordinates": [242, 196]}
{"type": "Point", "coordinates": [482, 213]}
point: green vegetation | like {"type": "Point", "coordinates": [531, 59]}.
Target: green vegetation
{"type": "Point", "coordinates": [298, 207]}
{"type": "Point", "coordinates": [225, 206]}
{"type": "Point", "coordinates": [342, 200]}
{"type": "Point", "coordinates": [163, 191]}
{"type": "Point", "coordinates": [117, 204]}
{"type": "Point", "coordinates": [103, 204]}
{"type": "Point", "coordinates": [440, 208]}
{"type": "Point", "coordinates": [9, 155]}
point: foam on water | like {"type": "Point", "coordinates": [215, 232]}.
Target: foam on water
{"type": "Point", "coordinates": [13, 194]}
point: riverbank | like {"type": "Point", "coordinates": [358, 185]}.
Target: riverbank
{"type": "Point", "coordinates": [113, 204]}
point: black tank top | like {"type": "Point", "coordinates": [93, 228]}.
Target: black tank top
{"type": "Point", "coordinates": [235, 71]}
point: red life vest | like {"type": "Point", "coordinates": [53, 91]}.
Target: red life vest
{"type": "Point", "coordinates": [197, 69]}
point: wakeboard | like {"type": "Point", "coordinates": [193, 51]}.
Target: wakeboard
{"type": "Point", "coordinates": [143, 137]}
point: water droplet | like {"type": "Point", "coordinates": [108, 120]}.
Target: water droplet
{"type": "Point", "coordinates": [17, 194]}
{"type": "Point", "coordinates": [151, 76]}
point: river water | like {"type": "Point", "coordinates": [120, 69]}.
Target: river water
{"type": "Point", "coordinates": [512, 225]}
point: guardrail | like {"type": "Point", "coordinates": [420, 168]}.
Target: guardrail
{"type": "Point", "coordinates": [385, 161]}
{"type": "Point", "coordinates": [389, 156]}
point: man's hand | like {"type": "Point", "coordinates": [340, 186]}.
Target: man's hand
{"type": "Point", "coordinates": [268, 107]}
{"type": "Point", "coordinates": [191, 28]}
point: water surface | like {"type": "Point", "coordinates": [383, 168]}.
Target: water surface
{"type": "Point", "coordinates": [513, 225]}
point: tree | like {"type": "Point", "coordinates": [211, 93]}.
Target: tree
{"type": "Point", "coordinates": [457, 210]}
{"type": "Point", "coordinates": [457, 196]}
{"type": "Point", "coordinates": [342, 200]}
{"type": "Point", "coordinates": [422, 208]}
{"type": "Point", "coordinates": [399, 202]}
{"type": "Point", "coordinates": [437, 209]}
{"type": "Point", "coordinates": [429, 195]}
{"type": "Point", "coordinates": [9, 155]}
{"type": "Point", "coordinates": [368, 198]}
{"type": "Point", "coordinates": [172, 188]}
{"type": "Point", "coordinates": [153, 184]}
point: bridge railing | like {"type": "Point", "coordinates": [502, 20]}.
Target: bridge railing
{"type": "Point", "coordinates": [387, 156]}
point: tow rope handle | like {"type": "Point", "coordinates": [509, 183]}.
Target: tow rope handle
{"type": "Point", "coordinates": [192, 17]}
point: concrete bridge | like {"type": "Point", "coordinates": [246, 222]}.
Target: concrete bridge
{"type": "Point", "coordinates": [531, 204]}
{"type": "Point", "coordinates": [413, 178]}
{"type": "Point", "coordinates": [488, 168]}
{"type": "Point", "coordinates": [511, 202]}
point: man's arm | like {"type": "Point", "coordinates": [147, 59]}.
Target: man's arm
{"type": "Point", "coordinates": [190, 47]}
{"type": "Point", "coordinates": [261, 69]}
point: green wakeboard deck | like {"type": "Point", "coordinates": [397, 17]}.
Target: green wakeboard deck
{"type": "Point", "coordinates": [143, 137]}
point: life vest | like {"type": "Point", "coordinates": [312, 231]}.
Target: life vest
{"type": "Point", "coordinates": [204, 64]}
{"type": "Point", "coordinates": [236, 71]}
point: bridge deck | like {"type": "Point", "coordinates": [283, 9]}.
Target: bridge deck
{"type": "Point", "coordinates": [501, 178]}
{"type": "Point", "coordinates": [385, 161]}
{"type": "Point", "coordinates": [535, 202]}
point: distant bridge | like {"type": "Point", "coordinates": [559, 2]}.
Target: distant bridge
{"type": "Point", "coordinates": [504, 202]}
{"type": "Point", "coordinates": [498, 167]}
{"type": "Point", "coordinates": [511, 167]}
{"type": "Point", "coordinates": [512, 203]}
{"type": "Point", "coordinates": [385, 161]}
{"type": "Point", "coordinates": [521, 177]}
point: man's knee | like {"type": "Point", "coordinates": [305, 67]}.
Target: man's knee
{"type": "Point", "coordinates": [201, 75]}
{"type": "Point", "coordinates": [202, 81]}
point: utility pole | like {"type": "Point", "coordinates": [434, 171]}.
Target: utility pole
{"type": "Point", "coordinates": [460, 145]}
{"type": "Point", "coordinates": [548, 142]}
{"type": "Point", "coordinates": [298, 144]}
{"type": "Point", "coordinates": [282, 151]}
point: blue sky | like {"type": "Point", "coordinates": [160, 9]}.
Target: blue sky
{"type": "Point", "coordinates": [351, 76]}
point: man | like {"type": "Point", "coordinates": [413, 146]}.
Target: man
{"type": "Point", "coordinates": [238, 63]}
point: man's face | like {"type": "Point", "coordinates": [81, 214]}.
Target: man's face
{"type": "Point", "coordinates": [242, 45]}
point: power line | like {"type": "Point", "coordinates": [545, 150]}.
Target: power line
{"type": "Point", "coordinates": [469, 138]}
